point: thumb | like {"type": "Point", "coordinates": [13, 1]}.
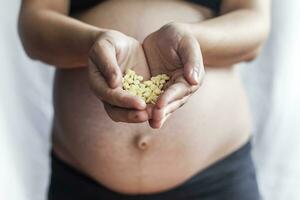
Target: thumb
{"type": "Point", "coordinates": [103, 55]}
{"type": "Point", "coordinates": [191, 58]}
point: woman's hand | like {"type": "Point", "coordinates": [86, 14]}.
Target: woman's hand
{"type": "Point", "coordinates": [173, 50]}
{"type": "Point", "coordinates": [112, 53]}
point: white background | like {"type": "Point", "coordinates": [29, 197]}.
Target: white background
{"type": "Point", "coordinates": [25, 115]}
{"type": "Point", "coordinates": [272, 83]}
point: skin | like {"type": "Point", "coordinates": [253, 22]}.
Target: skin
{"type": "Point", "coordinates": [241, 45]}
{"type": "Point", "coordinates": [179, 49]}
{"type": "Point", "coordinates": [106, 81]}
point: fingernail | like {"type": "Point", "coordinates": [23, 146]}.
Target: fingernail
{"type": "Point", "coordinates": [142, 104]}
{"type": "Point", "coordinates": [196, 75]}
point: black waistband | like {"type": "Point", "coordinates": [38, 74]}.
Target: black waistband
{"type": "Point", "coordinates": [218, 172]}
{"type": "Point", "coordinates": [79, 5]}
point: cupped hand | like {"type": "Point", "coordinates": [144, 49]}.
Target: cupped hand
{"type": "Point", "coordinates": [112, 53]}
{"type": "Point", "coordinates": [173, 50]}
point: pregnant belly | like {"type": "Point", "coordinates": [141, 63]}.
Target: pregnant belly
{"type": "Point", "coordinates": [133, 158]}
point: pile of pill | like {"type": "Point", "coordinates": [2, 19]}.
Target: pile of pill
{"type": "Point", "coordinates": [148, 90]}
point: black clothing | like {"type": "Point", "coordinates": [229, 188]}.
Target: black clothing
{"type": "Point", "coordinates": [232, 178]}
{"type": "Point", "coordinates": [79, 5]}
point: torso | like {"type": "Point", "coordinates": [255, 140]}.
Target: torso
{"type": "Point", "coordinates": [213, 123]}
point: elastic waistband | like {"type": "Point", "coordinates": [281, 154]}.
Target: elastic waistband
{"type": "Point", "coordinates": [225, 167]}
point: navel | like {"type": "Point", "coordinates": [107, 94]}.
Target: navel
{"type": "Point", "coordinates": [143, 142]}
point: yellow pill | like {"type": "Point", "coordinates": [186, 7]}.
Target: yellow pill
{"type": "Point", "coordinates": [148, 90]}
{"type": "Point", "coordinates": [129, 71]}
{"type": "Point", "coordinates": [126, 85]}
{"type": "Point", "coordinates": [162, 81]}
{"type": "Point", "coordinates": [142, 86]}
{"type": "Point", "coordinates": [153, 87]}
{"type": "Point", "coordinates": [140, 78]}
{"type": "Point", "coordinates": [132, 92]}
{"type": "Point", "coordinates": [126, 76]}
{"type": "Point", "coordinates": [148, 83]}
{"type": "Point", "coordinates": [153, 78]}
{"type": "Point", "coordinates": [136, 82]}
{"type": "Point", "coordinates": [157, 91]}
{"type": "Point", "coordinates": [151, 97]}
{"type": "Point", "coordinates": [147, 94]}
{"type": "Point", "coordinates": [148, 100]}
{"type": "Point", "coordinates": [155, 99]}
{"type": "Point", "coordinates": [134, 87]}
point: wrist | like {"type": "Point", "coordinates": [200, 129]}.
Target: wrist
{"type": "Point", "coordinates": [182, 28]}
{"type": "Point", "coordinates": [95, 34]}
{"type": "Point", "coordinates": [192, 29]}
{"type": "Point", "coordinates": [202, 35]}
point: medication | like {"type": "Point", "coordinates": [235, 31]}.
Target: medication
{"type": "Point", "coordinates": [148, 90]}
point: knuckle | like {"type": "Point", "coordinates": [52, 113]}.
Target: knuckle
{"type": "Point", "coordinates": [134, 116]}
{"type": "Point", "coordinates": [109, 71]}
{"type": "Point", "coordinates": [92, 69]}
{"type": "Point", "coordinates": [108, 92]}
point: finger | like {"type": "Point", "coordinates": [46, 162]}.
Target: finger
{"type": "Point", "coordinates": [160, 114]}
{"type": "Point", "coordinates": [122, 98]}
{"type": "Point", "coordinates": [118, 114]}
{"type": "Point", "coordinates": [175, 91]}
{"type": "Point", "coordinates": [191, 57]}
{"type": "Point", "coordinates": [158, 124]}
{"type": "Point", "coordinates": [103, 55]}
{"type": "Point", "coordinates": [117, 97]}
{"type": "Point", "coordinates": [149, 110]}
{"type": "Point", "coordinates": [160, 117]}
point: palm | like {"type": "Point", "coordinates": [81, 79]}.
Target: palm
{"type": "Point", "coordinates": [177, 54]}
{"type": "Point", "coordinates": [133, 57]}
{"type": "Point", "coordinates": [161, 57]}
{"type": "Point", "coordinates": [172, 50]}
{"type": "Point", "coordinates": [111, 55]}
{"type": "Point", "coordinates": [168, 50]}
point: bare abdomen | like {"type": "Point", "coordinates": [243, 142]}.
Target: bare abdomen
{"type": "Point", "coordinates": [213, 123]}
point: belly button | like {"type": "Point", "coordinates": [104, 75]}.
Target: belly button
{"type": "Point", "coordinates": [142, 142]}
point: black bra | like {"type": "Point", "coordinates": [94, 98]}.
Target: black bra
{"type": "Point", "coordinates": [79, 5]}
